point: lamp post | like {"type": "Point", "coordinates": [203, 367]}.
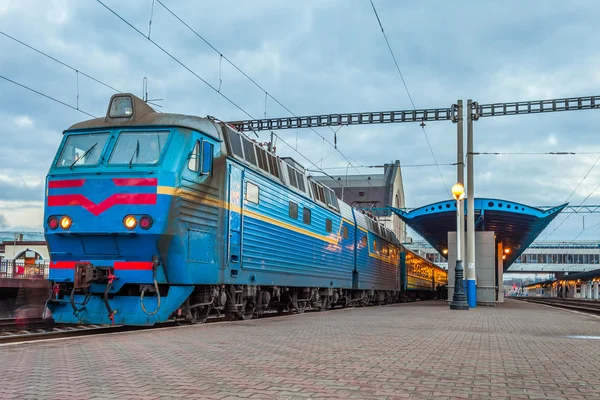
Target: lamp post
{"type": "Point", "coordinates": [459, 298]}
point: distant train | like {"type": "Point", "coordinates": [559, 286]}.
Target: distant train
{"type": "Point", "coordinates": [151, 217]}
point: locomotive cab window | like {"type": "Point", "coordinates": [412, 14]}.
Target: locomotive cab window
{"type": "Point", "coordinates": [82, 150]}
{"type": "Point", "coordinates": [139, 148]}
{"type": "Point", "coordinates": [194, 161]}
{"type": "Point", "coordinates": [306, 216]}
{"type": "Point", "coordinates": [252, 192]}
{"type": "Point", "coordinates": [328, 225]}
{"type": "Point", "coordinates": [293, 210]}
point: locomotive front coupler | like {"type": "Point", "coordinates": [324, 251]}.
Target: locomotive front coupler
{"type": "Point", "coordinates": [87, 273]}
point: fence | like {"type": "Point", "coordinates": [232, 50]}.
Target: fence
{"type": "Point", "coordinates": [19, 270]}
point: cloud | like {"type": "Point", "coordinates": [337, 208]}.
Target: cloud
{"type": "Point", "coordinates": [315, 58]}
{"type": "Point", "coordinates": [23, 122]}
{"type": "Point", "coordinates": [3, 222]}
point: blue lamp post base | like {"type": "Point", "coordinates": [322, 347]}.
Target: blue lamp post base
{"type": "Point", "coordinates": [471, 293]}
{"type": "Point", "coordinates": [459, 298]}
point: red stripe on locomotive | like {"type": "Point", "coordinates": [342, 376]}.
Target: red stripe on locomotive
{"type": "Point", "coordinates": [68, 183]}
{"type": "Point", "coordinates": [97, 209]}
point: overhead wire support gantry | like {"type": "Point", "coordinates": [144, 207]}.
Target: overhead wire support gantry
{"type": "Point", "coordinates": [326, 120]}
{"type": "Point", "coordinates": [534, 107]}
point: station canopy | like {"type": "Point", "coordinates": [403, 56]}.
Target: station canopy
{"type": "Point", "coordinates": [515, 225]}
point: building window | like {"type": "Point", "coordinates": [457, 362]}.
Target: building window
{"type": "Point", "coordinates": [328, 225]}
{"type": "Point", "coordinates": [306, 216]}
{"type": "Point", "coordinates": [361, 194]}
{"type": "Point", "coordinates": [252, 192]}
{"type": "Point", "coordinates": [293, 210]}
{"type": "Point", "coordinates": [345, 232]}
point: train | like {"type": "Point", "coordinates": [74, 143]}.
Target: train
{"type": "Point", "coordinates": [152, 217]}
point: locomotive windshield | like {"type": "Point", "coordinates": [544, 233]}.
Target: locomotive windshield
{"type": "Point", "coordinates": [135, 148]}
{"type": "Point", "coordinates": [82, 150]}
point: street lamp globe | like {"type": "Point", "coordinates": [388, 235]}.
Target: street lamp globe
{"type": "Point", "coordinates": [458, 191]}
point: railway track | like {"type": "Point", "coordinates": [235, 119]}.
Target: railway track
{"type": "Point", "coordinates": [34, 329]}
{"type": "Point", "coordinates": [583, 305]}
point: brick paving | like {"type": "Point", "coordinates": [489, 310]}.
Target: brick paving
{"type": "Point", "coordinates": [421, 350]}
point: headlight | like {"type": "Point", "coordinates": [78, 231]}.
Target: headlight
{"type": "Point", "coordinates": [130, 222]}
{"type": "Point", "coordinates": [65, 222]}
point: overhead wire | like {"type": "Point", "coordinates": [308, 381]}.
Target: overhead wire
{"type": "Point", "coordinates": [175, 59]}
{"type": "Point", "coordinates": [267, 94]}
{"type": "Point", "coordinates": [203, 80]}
{"type": "Point", "coordinates": [408, 93]}
{"type": "Point", "coordinates": [47, 96]}
{"type": "Point", "coordinates": [571, 195]}
{"type": "Point", "coordinates": [60, 62]}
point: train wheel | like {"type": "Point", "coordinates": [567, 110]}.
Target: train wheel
{"type": "Point", "coordinates": [301, 306]}
{"type": "Point", "coordinates": [246, 312]}
{"type": "Point", "coordinates": [324, 303]}
{"type": "Point", "coordinates": [200, 316]}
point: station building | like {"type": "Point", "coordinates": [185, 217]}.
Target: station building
{"type": "Point", "coordinates": [372, 193]}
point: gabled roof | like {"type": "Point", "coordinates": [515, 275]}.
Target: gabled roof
{"type": "Point", "coordinates": [515, 225]}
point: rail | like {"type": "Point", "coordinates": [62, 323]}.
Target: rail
{"type": "Point", "coordinates": [583, 305]}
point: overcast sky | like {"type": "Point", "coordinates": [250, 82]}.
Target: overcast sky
{"type": "Point", "coordinates": [316, 57]}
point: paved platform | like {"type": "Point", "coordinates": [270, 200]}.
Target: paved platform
{"type": "Point", "coordinates": [419, 350]}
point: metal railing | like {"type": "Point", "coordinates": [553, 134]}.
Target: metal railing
{"type": "Point", "coordinates": [19, 270]}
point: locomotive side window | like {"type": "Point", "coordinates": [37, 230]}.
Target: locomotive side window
{"type": "Point", "coordinates": [252, 192]}
{"type": "Point", "coordinates": [82, 150]}
{"type": "Point", "coordinates": [328, 225]}
{"type": "Point", "coordinates": [306, 216]}
{"type": "Point", "coordinates": [345, 232]}
{"type": "Point", "coordinates": [274, 165]}
{"type": "Point", "coordinates": [194, 161]}
{"type": "Point", "coordinates": [207, 158]}
{"type": "Point", "coordinates": [138, 148]}
{"type": "Point", "coordinates": [293, 210]}
{"type": "Point", "coordinates": [363, 241]}
{"type": "Point", "coordinates": [236, 144]}
{"type": "Point", "coordinates": [262, 159]}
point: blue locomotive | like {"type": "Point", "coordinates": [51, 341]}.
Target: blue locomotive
{"type": "Point", "coordinates": [151, 217]}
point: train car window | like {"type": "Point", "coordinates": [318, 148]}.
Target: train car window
{"type": "Point", "coordinates": [328, 225]}
{"type": "Point", "coordinates": [82, 150]}
{"type": "Point", "coordinates": [207, 158]}
{"type": "Point", "coordinates": [194, 161]}
{"type": "Point", "coordinates": [252, 192]}
{"type": "Point", "coordinates": [249, 151]}
{"type": "Point", "coordinates": [293, 210]}
{"type": "Point", "coordinates": [345, 232]}
{"type": "Point", "coordinates": [138, 148]}
{"type": "Point", "coordinates": [374, 245]}
{"type": "Point", "coordinates": [306, 216]}
{"type": "Point", "coordinates": [363, 241]}
{"type": "Point", "coordinates": [263, 163]}
{"type": "Point", "coordinates": [274, 165]}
